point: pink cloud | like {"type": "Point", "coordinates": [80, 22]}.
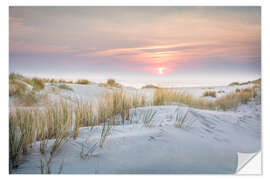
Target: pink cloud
{"type": "Point", "coordinates": [117, 51]}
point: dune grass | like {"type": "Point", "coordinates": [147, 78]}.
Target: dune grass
{"type": "Point", "coordinates": [237, 90]}
{"type": "Point", "coordinates": [138, 100]}
{"type": "Point", "coordinates": [53, 81]}
{"type": "Point", "coordinates": [21, 134]}
{"type": "Point", "coordinates": [148, 117]}
{"type": "Point", "coordinates": [42, 135]}
{"type": "Point", "coordinates": [84, 116]}
{"type": "Point", "coordinates": [60, 140]}
{"type": "Point", "coordinates": [210, 93]}
{"type": "Point", "coordinates": [118, 102]}
{"type": "Point", "coordinates": [106, 128]}
{"type": "Point", "coordinates": [57, 121]}
{"type": "Point", "coordinates": [221, 91]}
{"type": "Point", "coordinates": [64, 81]}
{"type": "Point", "coordinates": [257, 81]}
{"type": "Point", "coordinates": [15, 76]}
{"type": "Point", "coordinates": [182, 120]}
{"type": "Point", "coordinates": [112, 104]}
{"type": "Point", "coordinates": [17, 88]}
{"type": "Point", "coordinates": [234, 84]}
{"type": "Point", "coordinates": [16, 141]}
{"type": "Point", "coordinates": [169, 96]}
{"type": "Point", "coordinates": [110, 83]}
{"type": "Point", "coordinates": [232, 100]}
{"type": "Point", "coordinates": [65, 87]}
{"type": "Point", "coordinates": [60, 120]}
{"type": "Point", "coordinates": [236, 98]}
{"type": "Point", "coordinates": [113, 83]}
{"type": "Point", "coordinates": [82, 81]}
{"type": "Point", "coordinates": [29, 125]}
{"type": "Point", "coordinates": [37, 84]}
{"type": "Point", "coordinates": [87, 152]}
{"type": "Point", "coordinates": [26, 91]}
{"type": "Point", "coordinates": [17, 84]}
{"type": "Point", "coordinates": [150, 86]}
{"type": "Point", "coordinates": [30, 98]}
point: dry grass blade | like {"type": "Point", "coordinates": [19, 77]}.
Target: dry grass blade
{"type": "Point", "coordinates": [181, 119]}
{"type": "Point", "coordinates": [89, 152]}
{"type": "Point", "coordinates": [147, 118]}
{"type": "Point", "coordinates": [60, 140]}
{"type": "Point", "coordinates": [21, 133]}
{"type": "Point", "coordinates": [106, 128]}
{"type": "Point", "coordinates": [15, 142]}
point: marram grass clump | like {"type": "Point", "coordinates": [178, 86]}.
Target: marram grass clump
{"type": "Point", "coordinates": [65, 87]}
{"type": "Point", "coordinates": [82, 81]}
{"type": "Point", "coordinates": [210, 94]}
{"type": "Point", "coordinates": [118, 103]}
{"type": "Point", "coordinates": [169, 96]}
{"type": "Point", "coordinates": [229, 101]}
{"type": "Point", "coordinates": [37, 84]}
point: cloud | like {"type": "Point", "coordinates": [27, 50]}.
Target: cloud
{"type": "Point", "coordinates": [26, 47]}
{"type": "Point", "coordinates": [138, 50]}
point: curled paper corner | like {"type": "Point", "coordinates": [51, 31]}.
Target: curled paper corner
{"type": "Point", "coordinates": [249, 163]}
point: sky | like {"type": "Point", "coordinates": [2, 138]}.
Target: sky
{"type": "Point", "coordinates": [166, 46]}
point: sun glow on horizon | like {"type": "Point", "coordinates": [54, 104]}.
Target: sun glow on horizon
{"type": "Point", "coordinates": [160, 70]}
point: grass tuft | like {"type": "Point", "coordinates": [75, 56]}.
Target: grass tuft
{"type": "Point", "coordinates": [148, 117]}
{"type": "Point", "coordinates": [37, 84]}
{"type": "Point", "coordinates": [232, 100]}
{"type": "Point", "coordinates": [17, 88]}
{"type": "Point", "coordinates": [84, 116]}
{"type": "Point", "coordinates": [21, 133]}
{"type": "Point", "coordinates": [110, 83]}
{"type": "Point", "coordinates": [65, 87]}
{"type": "Point", "coordinates": [234, 84]}
{"type": "Point", "coordinates": [182, 120]}
{"type": "Point", "coordinates": [82, 81]}
{"type": "Point", "coordinates": [150, 86]}
{"type": "Point", "coordinates": [236, 98]}
{"type": "Point", "coordinates": [209, 93]}
{"type": "Point", "coordinates": [168, 96]}
{"type": "Point", "coordinates": [106, 128]}
{"type": "Point", "coordinates": [28, 99]}
{"type": "Point", "coordinates": [117, 103]}
{"type": "Point", "coordinates": [86, 154]}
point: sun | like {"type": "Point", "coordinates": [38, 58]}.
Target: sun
{"type": "Point", "coordinates": [160, 70]}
